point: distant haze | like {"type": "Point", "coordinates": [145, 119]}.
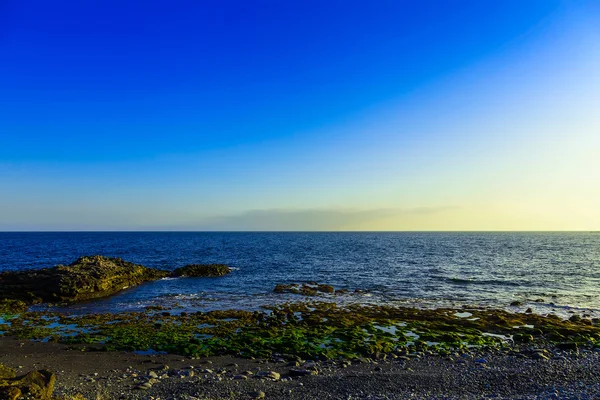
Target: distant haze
{"type": "Point", "coordinates": [300, 115]}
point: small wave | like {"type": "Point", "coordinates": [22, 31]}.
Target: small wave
{"type": "Point", "coordinates": [473, 281]}
{"type": "Point", "coordinates": [170, 278]}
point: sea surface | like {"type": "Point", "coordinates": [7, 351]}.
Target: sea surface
{"type": "Point", "coordinates": [549, 272]}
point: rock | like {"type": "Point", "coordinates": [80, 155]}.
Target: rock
{"type": "Point", "coordinates": [307, 289]}
{"type": "Point", "coordinates": [516, 303]}
{"type": "Point", "coordinates": [539, 356]}
{"type": "Point", "coordinates": [259, 394]}
{"type": "Point", "coordinates": [153, 375]}
{"type": "Point", "coordinates": [269, 375]}
{"type": "Point", "coordinates": [6, 372]}
{"type": "Point", "coordinates": [10, 306]}
{"type": "Point", "coordinates": [575, 318]}
{"type": "Point", "coordinates": [202, 270]}
{"type": "Point", "coordinates": [240, 377]}
{"type": "Point", "coordinates": [569, 346]}
{"type": "Point", "coordinates": [522, 337]}
{"type": "Point", "coordinates": [295, 372]}
{"type": "Point", "coordinates": [37, 385]}
{"type": "Point", "coordinates": [86, 278]}
{"type": "Point", "coordinates": [10, 393]}
{"type": "Point", "coordinates": [144, 386]}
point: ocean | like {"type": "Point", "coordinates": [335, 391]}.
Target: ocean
{"type": "Point", "coordinates": [550, 272]}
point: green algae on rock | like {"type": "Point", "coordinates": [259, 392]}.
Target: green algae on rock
{"type": "Point", "coordinates": [37, 385]}
{"type": "Point", "coordinates": [86, 278]}
{"type": "Point", "coordinates": [202, 270]}
{"type": "Point", "coordinates": [310, 330]}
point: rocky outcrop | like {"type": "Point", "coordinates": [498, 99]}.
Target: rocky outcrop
{"type": "Point", "coordinates": [86, 278]}
{"type": "Point", "coordinates": [37, 385]}
{"type": "Point", "coordinates": [205, 270]}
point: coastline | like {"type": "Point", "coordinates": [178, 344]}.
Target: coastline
{"type": "Point", "coordinates": [288, 352]}
{"type": "Point", "coordinates": [509, 373]}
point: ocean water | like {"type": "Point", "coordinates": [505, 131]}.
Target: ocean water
{"type": "Point", "coordinates": [550, 272]}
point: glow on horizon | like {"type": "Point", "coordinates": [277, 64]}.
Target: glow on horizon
{"type": "Point", "coordinates": [509, 141]}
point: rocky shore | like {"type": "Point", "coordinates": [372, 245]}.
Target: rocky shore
{"type": "Point", "coordinates": [298, 350]}
{"type": "Point", "coordinates": [87, 278]}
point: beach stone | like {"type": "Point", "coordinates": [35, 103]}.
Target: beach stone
{"type": "Point", "coordinates": [144, 386]}
{"type": "Point", "coordinates": [202, 270]}
{"type": "Point", "coordinates": [269, 375]}
{"type": "Point", "coordinates": [296, 372]}
{"type": "Point", "coordinates": [240, 377]}
{"type": "Point", "coordinates": [153, 374]}
{"type": "Point", "coordinates": [259, 394]}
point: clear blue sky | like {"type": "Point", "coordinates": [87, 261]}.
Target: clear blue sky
{"type": "Point", "coordinates": [291, 114]}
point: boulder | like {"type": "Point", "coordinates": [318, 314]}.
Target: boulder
{"type": "Point", "coordinates": [37, 385]}
{"type": "Point", "coordinates": [202, 270]}
{"type": "Point", "coordinates": [86, 278]}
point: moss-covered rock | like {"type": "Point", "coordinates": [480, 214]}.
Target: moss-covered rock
{"type": "Point", "coordinates": [37, 385]}
{"type": "Point", "coordinates": [9, 306]}
{"type": "Point", "coordinates": [202, 270]}
{"type": "Point", "coordinates": [86, 278]}
{"type": "Point", "coordinates": [6, 372]}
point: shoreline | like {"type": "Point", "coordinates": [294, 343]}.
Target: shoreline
{"type": "Point", "coordinates": [508, 373]}
{"type": "Point", "coordinates": [311, 350]}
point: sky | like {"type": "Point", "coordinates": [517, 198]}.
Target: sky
{"type": "Point", "coordinates": [299, 115]}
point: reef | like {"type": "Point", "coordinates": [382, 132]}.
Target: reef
{"type": "Point", "coordinates": [202, 270]}
{"type": "Point", "coordinates": [310, 330]}
{"type": "Point", "coordinates": [86, 278]}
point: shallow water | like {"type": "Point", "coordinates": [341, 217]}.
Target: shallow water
{"type": "Point", "coordinates": [560, 270]}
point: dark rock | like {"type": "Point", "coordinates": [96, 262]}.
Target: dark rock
{"type": "Point", "coordinates": [516, 303]}
{"type": "Point", "coordinates": [529, 310]}
{"type": "Point", "coordinates": [86, 278]}
{"type": "Point", "coordinates": [570, 346]}
{"type": "Point", "coordinates": [522, 337]}
{"type": "Point", "coordinates": [575, 318]}
{"type": "Point", "coordinates": [202, 270]}
{"type": "Point", "coordinates": [296, 372]}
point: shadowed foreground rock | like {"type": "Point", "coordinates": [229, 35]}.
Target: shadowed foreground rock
{"type": "Point", "coordinates": [205, 270]}
{"type": "Point", "coordinates": [86, 278]}
{"type": "Point", "coordinates": [34, 385]}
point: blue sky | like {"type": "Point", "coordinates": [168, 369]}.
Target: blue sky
{"type": "Point", "coordinates": [299, 115]}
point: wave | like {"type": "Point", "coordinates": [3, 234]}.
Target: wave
{"type": "Point", "coordinates": [473, 281]}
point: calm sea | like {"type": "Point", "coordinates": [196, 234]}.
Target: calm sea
{"type": "Point", "coordinates": [550, 272]}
